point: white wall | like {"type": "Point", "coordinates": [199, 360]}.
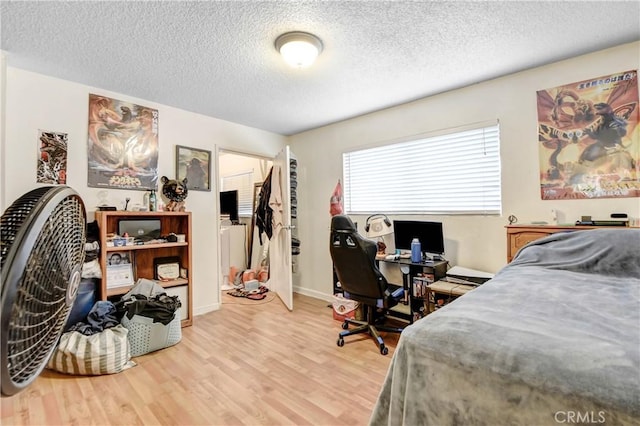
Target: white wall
{"type": "Point", "coordinates": [473, 241]}
{"type": "Point", "coordinates": [233, 163]}
{"type": "Point", "coordinates": [34, 101]}
{"type": "Point", "coordinates": [3, 89]}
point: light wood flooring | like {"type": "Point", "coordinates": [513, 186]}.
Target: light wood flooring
{"type": "Point", "coordinates": [250, 363]}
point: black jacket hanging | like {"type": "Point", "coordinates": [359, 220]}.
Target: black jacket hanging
{"type": "Point", "coordinates": [264, 213]}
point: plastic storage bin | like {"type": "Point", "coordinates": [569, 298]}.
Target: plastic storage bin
{"type": "Point", "coordinates": [146, 336]}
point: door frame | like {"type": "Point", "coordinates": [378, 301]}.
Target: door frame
{"type": "Point", "coordinates": [217, 151]}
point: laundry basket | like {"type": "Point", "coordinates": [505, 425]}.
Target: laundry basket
{"type": "Point", "coordinates": [147, 334]}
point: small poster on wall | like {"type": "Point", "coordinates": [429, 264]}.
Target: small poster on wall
{"type": "Point", "coordinates": [122, 145]}
{"type": "Point", "coordinates": [195, 165]}
{"type": "Point", "coordinates": [589, 138]}
{"type": "Point", "coordinates": [52, 158]}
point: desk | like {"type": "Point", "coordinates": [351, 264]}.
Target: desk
{"type": "Point", "coordinates": [428, 272]}
{"type": "Point", "coordinates": [449, 290]}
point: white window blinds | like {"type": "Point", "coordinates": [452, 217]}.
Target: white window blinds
{"type": "Point", "coordinates": [243, 182]}
{"type": "Point", "coordinates": [455, 173]}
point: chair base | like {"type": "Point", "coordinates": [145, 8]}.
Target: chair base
{"type": "Point", "coordinates": [366, 327]}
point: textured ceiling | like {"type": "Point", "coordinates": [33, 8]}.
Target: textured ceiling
{"type": "Point", "coordinates": [218, 58]}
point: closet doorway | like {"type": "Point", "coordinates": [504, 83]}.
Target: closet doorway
{"type": "Point", "coordinates": [239, 174]}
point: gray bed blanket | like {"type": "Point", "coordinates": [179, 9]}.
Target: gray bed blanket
{"type": "Point", "coordinates": [554, 338]}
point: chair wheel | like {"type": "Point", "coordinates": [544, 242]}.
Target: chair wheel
{"type": "Point", "coordinates": [345, 325]}
{"type": "Point", "coordinates": [340, 342]}
{"type": "Point", "coordinates": [384, 350]}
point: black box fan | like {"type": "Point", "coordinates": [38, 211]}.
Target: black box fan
{"type": "Point", "coordinates": [42, 238]}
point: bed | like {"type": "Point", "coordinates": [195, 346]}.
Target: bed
{"type": "Point", "coordinates": [553, 338]}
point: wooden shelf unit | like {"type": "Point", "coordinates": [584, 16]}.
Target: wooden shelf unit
{"type": "Point", "coordinates": [142, 256]}
{"type": "Point", "coordinates": [520, 235]}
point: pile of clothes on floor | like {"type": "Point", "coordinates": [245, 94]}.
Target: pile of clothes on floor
{"type": "Point", "coordinates": [249, 283]}
{"type": "Point", "coordinates": [143, 320]}
{"type": "Point", "coordinates": [255, 294]}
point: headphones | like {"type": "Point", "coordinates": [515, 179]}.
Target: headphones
{"type": "Point", "coordinates": [376, 225]}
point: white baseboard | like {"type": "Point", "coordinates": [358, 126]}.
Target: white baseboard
{"type": "Point", "coordinates": [313, 293]}
{"type": "Point", "coordinates": [206, 309]}
{"type": "Point", "coordinates": [304, 291]}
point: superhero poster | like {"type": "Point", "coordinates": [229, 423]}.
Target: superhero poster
{"type": "Point", "coordinates": [589, 138]}
{"type": "Point", "coordinates": [122, 145]}
{"type": "Point", "coordinates": [52, 158]}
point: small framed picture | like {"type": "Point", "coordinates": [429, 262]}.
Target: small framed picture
{"type": "Point", "coordinates": [119, 269]}
{"type": "Point", "coordinates": [195, 165]}
{"type": "Point", "coordinates": [166, 268]}
{"type": "Point", "coordinates": [118, 258]}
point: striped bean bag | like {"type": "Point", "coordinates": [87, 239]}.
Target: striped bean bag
{"type": "Point", "coordinates": [106, 352]}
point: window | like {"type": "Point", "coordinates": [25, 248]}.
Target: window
{"type": "Point", "coordinates": [453, 173]}
{"type": "Point", "coordinates": [243, 182]}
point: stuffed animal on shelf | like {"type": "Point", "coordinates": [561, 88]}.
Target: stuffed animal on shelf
{"type": "Point", "coordinates": [176, 192]}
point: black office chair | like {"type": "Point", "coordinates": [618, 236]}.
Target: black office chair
{"type": "Point", "coordinates": [354, 262]}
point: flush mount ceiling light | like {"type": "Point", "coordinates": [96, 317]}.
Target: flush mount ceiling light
{"type": "Point", "coordinates": [299, 49]}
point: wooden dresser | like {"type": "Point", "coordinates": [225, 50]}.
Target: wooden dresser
{"type": "Point", "coordinates": [520, 235]}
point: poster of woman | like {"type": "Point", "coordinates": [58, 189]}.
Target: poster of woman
{"type": "Point", "coordinates": [589, 138]}
{"type": "Point", "coordinates": [122, 144]}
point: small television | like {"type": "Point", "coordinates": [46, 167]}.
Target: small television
{"type": "Point", "coordinates": [229, 205]}
{"type": "Point", "coordinates": [429, 234]}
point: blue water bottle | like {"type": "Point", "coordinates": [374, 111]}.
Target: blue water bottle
{"type": "Point", "coordinates": [416, 251]}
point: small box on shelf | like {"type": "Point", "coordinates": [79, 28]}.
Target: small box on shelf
{"type": "Point", "coordinates": [118, 241]}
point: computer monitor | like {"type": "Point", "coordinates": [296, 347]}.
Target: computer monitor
{"type": "Point", "coordinates": [229, 204]}
{"type": "Point", "coordinates": [429, 234]}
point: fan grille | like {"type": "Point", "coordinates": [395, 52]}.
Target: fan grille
{"type": "Point", "coordinates": [15, 216]}
{"type": "Point", "coordinates": [42, 303]}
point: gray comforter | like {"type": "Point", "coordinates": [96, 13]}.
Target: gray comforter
{"type": "Point", "coordinates": [554, 338]}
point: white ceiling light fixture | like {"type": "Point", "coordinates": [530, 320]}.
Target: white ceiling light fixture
{"type": "Point", "coordinates": [299, 49]}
